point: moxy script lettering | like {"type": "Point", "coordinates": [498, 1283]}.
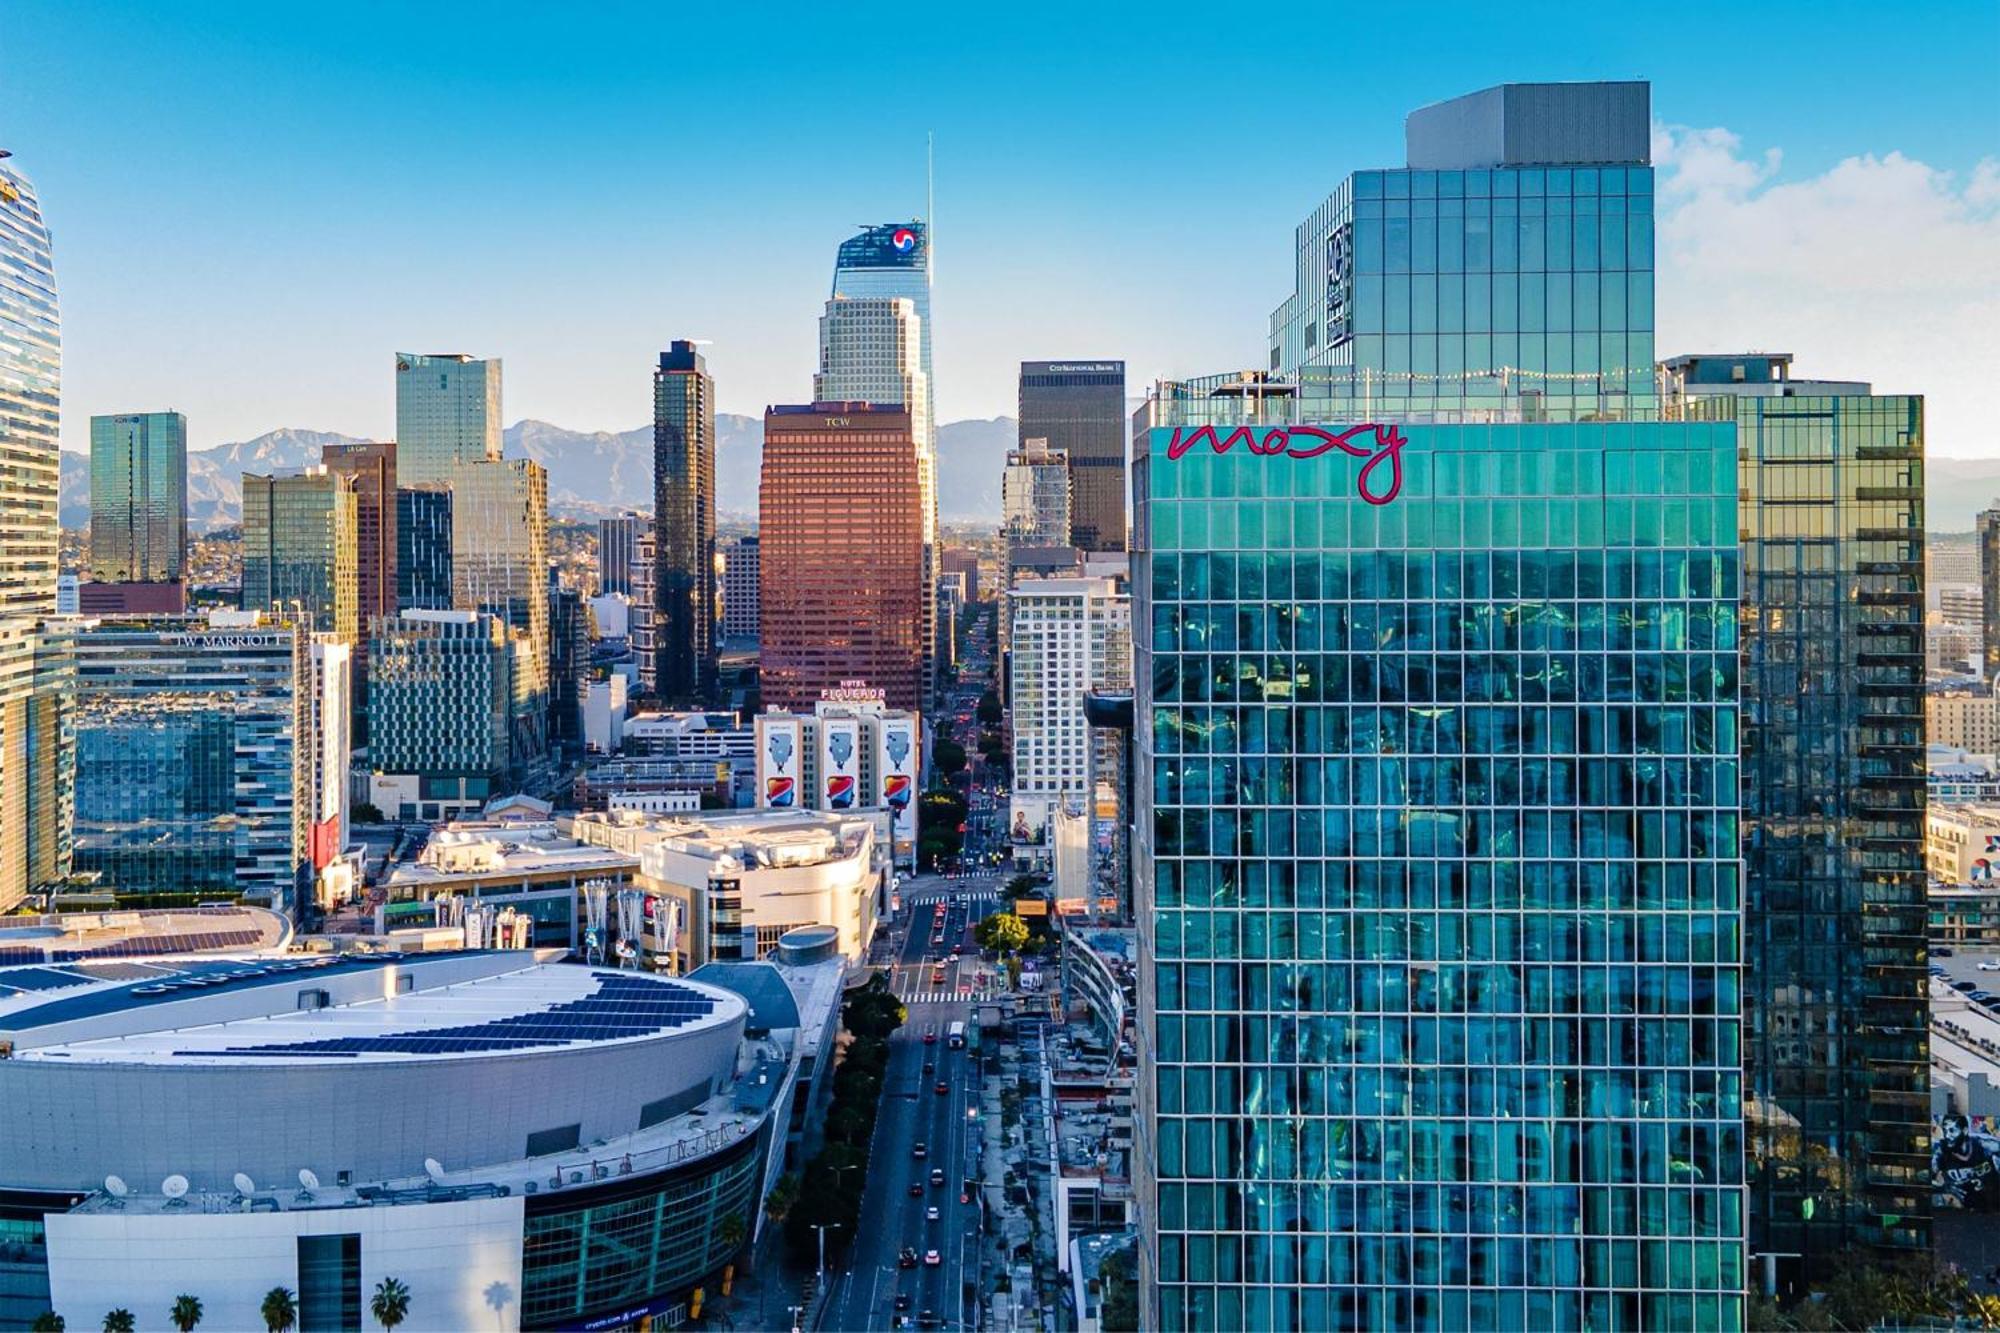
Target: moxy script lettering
{"type": "Point", "coordinates": [1381, 445]}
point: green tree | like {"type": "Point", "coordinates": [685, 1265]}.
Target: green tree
{"type": "Point", "coordinates": [365, 812]}
{"type": "Point", "coordinates": [391, 1303]}
{"type": "Point", "coordinates": [1119, 1312]}
{"type": "Point", "coordinates": [280, 1309]}
{"type": "Point", "coordinates": [120, 1321]}
{"type": "Point", "coordinates": [186, 1312]}
{"type": "Point", "coordinates": [947, 755]}
{"type": "Point", "coordinates": [783, 1197]}
{"type": "Point", "coordinates": [48, 1321]}
{"type": "Point", "coordinates": [989, 709]}
{"type": "Point", "coordinates": [1002, 932]}
{"type": "Point", "coordinates": [730, 1231]}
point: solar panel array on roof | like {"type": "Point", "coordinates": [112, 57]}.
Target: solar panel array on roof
{"type": "Point", "coordinates": [40, 978]}
{"type": "Point", "coordinates": [619, 1007]}
{"type": "Point", "coordinates": [193, 941]}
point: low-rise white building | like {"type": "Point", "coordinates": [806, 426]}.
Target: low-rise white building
{"type": "Point", "coordinates": [725, 885]}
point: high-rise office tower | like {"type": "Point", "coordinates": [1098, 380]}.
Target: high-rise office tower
{"type": "Point", "coordinates": [198, 763]}
{"type": "Point", "coordinates": [872, 350]}
{"type": "Point", "coordinates": [739, 588]}
{"type": "Point", "coordinates": [423, 548]}
{"type": "Point", "coordinates": [1508, 270]}
{"type": "Point", "coordinates": [1837, 1010]}
{"type": "Point", "coordinates": [1988, 536]}
{"type": "Point", "coordinates": [639, 632]}
{"type": "Point", "coordinates": [861, 360]}
{"type": "Point", "coordinates": [569, 663]}
{"type": "Point", "coordinates": [1035, 495]}
{"type": "Point", "coordinates": [30, 388]}
{"type": "Point", "coordinates": [841, 538]}
{"type": "Point", "coordinates": [1078, 407]}
{"type": "Point", "coordinates": [617, 547]}
{"type": "Point", "coordinates": [1070, 637]}
{"type": "Point", "coordinates": [138, 498]}
{"type": "Point", "coordinates": [440, 717]}
{"type": "Point", "coordinates": [885, 262]}
{"type": "Point", "coordinates": [684, 528]}
{"type": "Point", "coordinates": [447, 413]}
{"type": "Point", "coordinates": [500, 565]}
{"type": "Point", "coordinates": [1440, 894]}
{"type": "Point", "coordinates": [301, 535]}
{"type": "Point", "coordinates": [372, 465]}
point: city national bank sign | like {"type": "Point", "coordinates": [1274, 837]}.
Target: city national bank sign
{"type": "Point", "coordinates": [1379, 480]}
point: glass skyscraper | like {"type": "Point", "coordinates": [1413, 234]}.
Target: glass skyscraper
{"type": "Point", "coordinates": [685, 666]}
{"type": "Point", "coordinates": [1078, 407]}
{"type": "Point", "coordinates": [1507, 270]}
{"type": "Point", "coordinates": [888, 261]}
{"type": "Point", "coordinates": [1836, 995]}
{"type": "Point", "coordinates": [447, 413]}
{"type": "Point", "coordinates": [423, 548]}
{"type": "Point", "coordinates": [30, 387]}
{"type": "Point", "coordinates": [138, 497]}
{"type": "Point", "coordinates": [1439, 891]}
{"type": "Point", "coordinates": [500, 565]}
{"type": "Point", "coordinates": [301, 538]}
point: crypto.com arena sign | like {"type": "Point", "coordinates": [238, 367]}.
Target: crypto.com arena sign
{"type": "Point", "coordinates": [1380, 445]}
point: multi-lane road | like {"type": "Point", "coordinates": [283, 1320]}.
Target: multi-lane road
{"type": "Point", "coordinates": [876, 1291]}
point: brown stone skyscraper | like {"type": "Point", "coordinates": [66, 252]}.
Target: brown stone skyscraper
{"type": "Point", "coordinates": [372, 464]}
{"type": "Point", "coordinates": [841, 580]}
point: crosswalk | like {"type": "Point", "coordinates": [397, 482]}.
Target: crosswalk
{"type": "Point", "coordinates": [932, 899]}
{"type": "Point", "coordinates": [949, 996]}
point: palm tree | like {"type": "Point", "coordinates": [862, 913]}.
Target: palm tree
{"type": "Point", "coordinates": [186, 1312]}
{"type": "Point", "coordinates": [730, 1232]}
{"type": "Point", "coordinates": [280, 1309]}
{"type": "Point", "coordinates": [120, 1321]}
{"type": "Point", "coordinates": [48, 1321]}
{"type": "Point", "coordinates": [391, 1305]}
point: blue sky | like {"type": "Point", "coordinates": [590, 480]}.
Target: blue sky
{"type": "Point", "coordinates": [255, 206]}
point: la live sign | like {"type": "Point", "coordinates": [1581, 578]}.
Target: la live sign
{"type": "Point", "coordinates": [1379, 480]}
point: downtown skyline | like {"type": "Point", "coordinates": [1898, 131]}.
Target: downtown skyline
{"type": "Point", "coordinates": [253, 190]}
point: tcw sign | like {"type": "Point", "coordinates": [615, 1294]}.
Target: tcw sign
{"type": "Point", "coordinates": [1380, 445]}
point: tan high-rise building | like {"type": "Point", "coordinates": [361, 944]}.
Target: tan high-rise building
{"type": "Point", "coordinates": [842, 588]}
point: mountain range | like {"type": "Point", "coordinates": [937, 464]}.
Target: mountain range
{"type": "Point", "coordinates": [591, 473]}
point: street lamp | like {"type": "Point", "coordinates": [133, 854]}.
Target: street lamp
{"type": "Point", "coordinates": [823, 1228]}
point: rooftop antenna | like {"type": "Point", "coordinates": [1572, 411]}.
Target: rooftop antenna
{"type": "Point", "coordinates": [308, 1182]}
{"type": "Point", "coordinates": [434, 1169]}
{"type": "Point", "coordinates": [930, 207]}
{"type": "Point", "coordinates": [116, 1187]}
{"type": "Point", "coordinates": [244, 1185]}
{"type": "Point", "coordinates": [175, 1187]}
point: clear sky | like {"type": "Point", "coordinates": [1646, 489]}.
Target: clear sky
{"type": "Point", "coordinates": [256, 205]}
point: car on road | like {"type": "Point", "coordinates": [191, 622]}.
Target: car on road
{"type": "Point", "coordinates": [943, 1088]}
{"type": "Point", "coordinates": [937, 1175]}
{"type": "Point", "coordinates": [907, 1258]}
{"type": "Point", "coordinates": [918, 1150]}
{"type": "Point", "coordinates": [916, 1189]}
{"type": "Point", "coordinates": [1986, 967]}
{"type": "Point", "coordinates": [932, 1258]}
{"type": "Point", "coordinates": [929, 1065]}
{"type": "Point", "coordinates": [930, 1036]}
{"type": "Point", "coordinates": [902, 1301]}
{"type": "Point", "coordinates": [931, 1213]}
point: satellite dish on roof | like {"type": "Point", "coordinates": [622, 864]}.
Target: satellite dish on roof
{"type": "Point", "coordinates": [434, 1169]}
{"type": "Point", "coordinates": [244, 1185]}
{"type": "Point", "coordinates": [308, 1181]}
{"type": "Point", "coordinates": [116, 1187]}
{"type": "Point", "coordinates": [175, 1186]}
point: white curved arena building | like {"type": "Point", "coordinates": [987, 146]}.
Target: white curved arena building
{"type": "Point", "coordinates": [523, 1143]}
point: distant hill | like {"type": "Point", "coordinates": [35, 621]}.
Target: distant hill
{"type": "Point", "coordinates": [1956, 489]}
{"type": "Point", "coordinates": [590, 472]}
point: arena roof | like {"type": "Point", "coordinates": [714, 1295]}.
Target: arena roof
{"type": "Point", "coordinates": [358, 1008]}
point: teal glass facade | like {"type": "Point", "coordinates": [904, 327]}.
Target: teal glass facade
{"type": "Point", "coordinates": [637, 1246]}
{"type": "Point", "coordinates": [1440, 893]}
{"type": "Point", "coordinates": [1524, 290]}
{"type": "Point", "coordinates": [138, 497]}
